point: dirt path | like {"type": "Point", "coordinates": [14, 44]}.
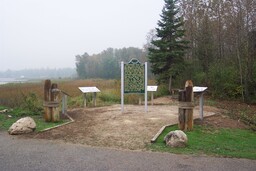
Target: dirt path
{"type": "Point", "coordinates": [108, 127]}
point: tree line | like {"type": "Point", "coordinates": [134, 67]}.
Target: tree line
{"type": "Point", "coordinates": [222, 53]}
{"type": "Point", "coordinates": [107, 63]}
{"type": "Point", "coordinates": [212, 42]}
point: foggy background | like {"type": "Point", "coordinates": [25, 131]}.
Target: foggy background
{"type": "Point", "coordinates": [50, 33]}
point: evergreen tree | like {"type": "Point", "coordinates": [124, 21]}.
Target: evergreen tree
{"type": "Point", "coordinates": [167, 51]}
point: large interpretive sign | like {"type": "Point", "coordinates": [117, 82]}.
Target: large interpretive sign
{"type": "Point", "coordinates": [134, 77]}
{"type": "Point", "coordinates": [133, 80]}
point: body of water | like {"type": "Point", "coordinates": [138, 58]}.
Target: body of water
{"type": "Point", "coordinates": [11, 80]}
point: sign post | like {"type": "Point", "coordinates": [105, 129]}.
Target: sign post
{"type": "Point", "coordinates": [146, 87]}
{"type": "Point", "coordinates": [122, 87]}
{"type": "Point", "coordinates": [152, 89]}
{"type": "Point", "coordinates": [201, 91]}
{"type": "Point", "coordinates": [133, 80]}
{"type": "Point", "coordinates": [93, 90]}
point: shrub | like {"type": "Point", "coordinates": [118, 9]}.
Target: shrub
{"type": "Point", "coordinates": [110, 96]}
{"type": "Point", "coordinates": [248, 119]}
{"type": "Point", "coordinates": [32, 104]}
{"type": "Point", "coordinates": [223, 81]}
{"type": "Point", "coordinates": [74, 102]}
{"type": "Point", "coordinates": [200, 78]}
{"type": "Point", "coordinates": [162, 90]}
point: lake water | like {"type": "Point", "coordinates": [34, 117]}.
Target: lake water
{"type": "Point", "coordinates": [11, 80]}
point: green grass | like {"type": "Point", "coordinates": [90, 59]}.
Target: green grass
{"type": "Point", "coordinates": [6, 122]}
{"type": "Point", "coordinates": [41, 124]}
{"type": "Point", "coordinates": [236, 143]}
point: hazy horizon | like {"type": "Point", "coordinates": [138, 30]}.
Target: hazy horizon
{"type": "Point", "coordinates": [49, 34]}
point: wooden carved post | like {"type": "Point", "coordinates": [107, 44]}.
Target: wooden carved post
{"type": "Point", "coordinates": [47, 92]}
{"type": "Point", "coordinates": [186, 107]}
{"type": "Point", "coordinates": [54, 99]}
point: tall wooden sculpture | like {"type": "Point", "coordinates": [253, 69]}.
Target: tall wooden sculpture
{"type": "Point", "coordinates": [51, 102]}
{"type": "Point", "coordinates": [186, 107]}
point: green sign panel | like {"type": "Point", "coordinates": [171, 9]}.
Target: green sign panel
{"type": "Point", "coordinates": [134, 78]}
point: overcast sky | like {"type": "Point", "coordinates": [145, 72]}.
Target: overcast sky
{"type": "Point", "coordinates": [50, 33]}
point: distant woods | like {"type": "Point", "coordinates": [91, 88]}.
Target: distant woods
{"type": "Point", "coordinates": [221, 53]}
{"type": "Point", "coordinates": [107, 63]}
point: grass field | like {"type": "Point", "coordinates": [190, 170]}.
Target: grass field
{"type": "Point", "coordinates": [237, 143]}
{"type": "Point", "coordinates": [12, 95]}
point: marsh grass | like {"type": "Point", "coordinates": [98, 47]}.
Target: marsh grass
{"type": "Point", "coordinates": [12, 95]}
{"type": "Point", "coordinates": [237, 143]}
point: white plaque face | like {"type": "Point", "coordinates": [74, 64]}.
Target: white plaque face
{"type": "Point", "coordinates": [89, 89]}
{"type": "Point", "coordinates": [197, 89]}
{"type": "Point", "coordinates": [151, 88]}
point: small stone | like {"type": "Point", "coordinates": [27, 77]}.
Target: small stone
{"type": "Point", "coordinates": [22, 126]}
{"type": "Point", "coordinates": [176, 139]}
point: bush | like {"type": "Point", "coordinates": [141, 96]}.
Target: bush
{"type": "Point", "coordinates": [223, 81]}
{"type": "Point", "coordinates": [32, 104]}
{"type": "Point", "coordinates": [110, 96]}
{"type": "Point", "coordinates": [162, 90]}
{"type": "Point", "coordinates": [200, 78]}
{"type": "Point", "coordinates": [74, 102]}
{"type": "Point", "coordinates": [248, 119]}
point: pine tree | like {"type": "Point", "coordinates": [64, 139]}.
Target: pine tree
{"type": "Point", "coordinates": [167, 51]}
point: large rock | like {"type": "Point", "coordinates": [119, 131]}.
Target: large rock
{"type": "Point", "coordinates": [22, 126]}
{"type": "Point", "coordinates": [176, 139]}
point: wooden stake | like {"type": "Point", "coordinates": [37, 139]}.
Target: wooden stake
{"type": "Point", "coordinates": [186, 107]}
{"type": "Point", "coordinates": [47, 110]}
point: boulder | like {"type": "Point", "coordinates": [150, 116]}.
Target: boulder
{"type": "Point", "coordinates": [22, 126]}
{"type": "Point", "coordinates": [176, 139]}
{"type": "Point", "coordinates": [4, 111]}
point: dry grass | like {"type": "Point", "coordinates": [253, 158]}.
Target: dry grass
{"type": "Point", "coordinates": [12, 95]}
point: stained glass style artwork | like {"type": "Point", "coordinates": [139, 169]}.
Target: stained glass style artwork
{"type": "Point", "coordinates": [134, 78]}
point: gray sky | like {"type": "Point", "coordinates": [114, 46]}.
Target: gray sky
{"type": "Point", "coordinates": [50, 33]}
